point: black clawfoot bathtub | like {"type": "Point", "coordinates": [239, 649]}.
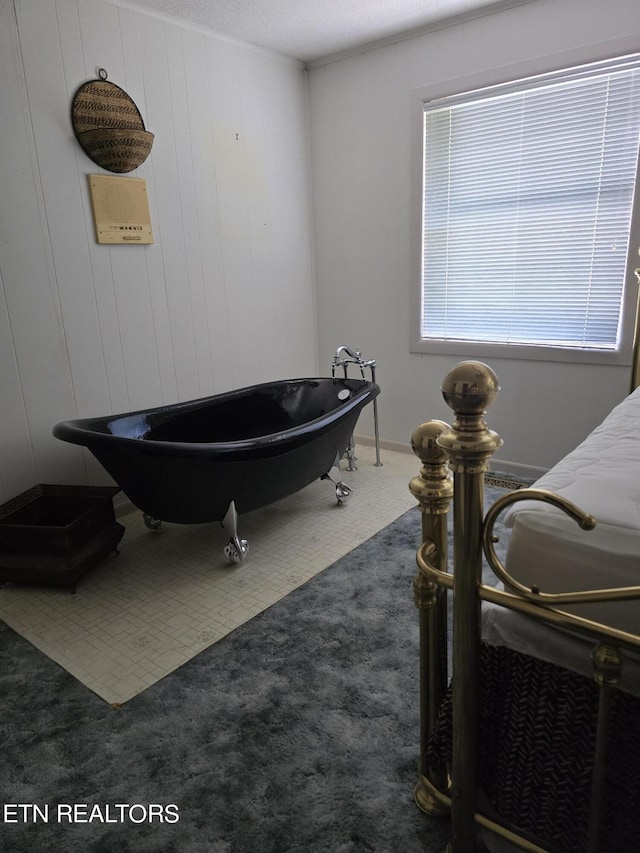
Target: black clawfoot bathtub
{"type": "Point", "coordinates": [208, 459]}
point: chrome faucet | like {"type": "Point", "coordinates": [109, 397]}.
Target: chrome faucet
{"type": "Point", "coordinates": [353, 357]}
{"type": "Point", "coordinates": [356, 355]}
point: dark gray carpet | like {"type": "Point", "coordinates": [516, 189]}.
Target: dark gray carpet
{"type": "Point", "coordinates": [297, 732]}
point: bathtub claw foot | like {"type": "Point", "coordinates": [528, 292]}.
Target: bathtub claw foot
{"type": "Point", "coordinates": [236, 549]}
{"type": "Point", "coordinates": [151, 522]}
{"type": "Point", "coordinates": [343, 491]}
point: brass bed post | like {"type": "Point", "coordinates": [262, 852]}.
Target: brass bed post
{"type": "Point", "coordinates": [468, 389]}
{"type": "Point", "coordinates": [607, 666]}
{"type": "Point", "coordinates": [433, 489]}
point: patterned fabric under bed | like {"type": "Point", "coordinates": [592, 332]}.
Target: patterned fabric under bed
{"type": "Point", "coordinates": [537, 732]}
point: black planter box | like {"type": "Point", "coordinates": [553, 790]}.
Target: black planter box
{"type": "Point", "coordinates": [55, 534]}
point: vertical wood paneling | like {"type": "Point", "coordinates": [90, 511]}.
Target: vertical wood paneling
{"type": "Point", "coordinates": [257, 134]}
{"type": "Point", "coordinates": [184, 129]}
{"type": "Point", "coordinates": [131, 25]}
{"type": "Point", "coordinates": [48, 97]}
{"type": "Point", "coordinates": [228, 152]}
{"type": "Point", "coordinates": [170, 228]}
{"type": "Point", "coordinates": [292, 221]}
{"type": "Point", "coordinates": [29, 285]}
{"type": "Point", "coordinates": [215, 302]}
{"type": "Point", "coordinates": [92, 354]}
{"type": "Point", "coordinates": [101, 31]}
{"type": "Point", "coordinates": [88, 39]}
{"type": "Point", "coordinates": [17, 465]}
{"type": "Point", "coordinates": [198, 86]}
{"type": "Point", "coordinates": [279, 234]}
{"type": "Point", "coordinates": [46, 85]}
{"type": "Point", "coordinates": [77, 72]}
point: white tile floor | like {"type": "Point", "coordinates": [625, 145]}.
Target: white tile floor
{"type": "Point", "coordinates": [168, 595]}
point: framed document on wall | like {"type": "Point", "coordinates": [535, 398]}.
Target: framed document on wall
{"type": "Point", "coordinates": [120, 209]}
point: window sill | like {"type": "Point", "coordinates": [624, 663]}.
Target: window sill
{"type": "Point", "coordinates": [466, 349]}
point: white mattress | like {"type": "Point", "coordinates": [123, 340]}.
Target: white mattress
{"type": "Point", "coordinates": [547, 548]}
{"type": "Point", "coordinates": [602, 475]}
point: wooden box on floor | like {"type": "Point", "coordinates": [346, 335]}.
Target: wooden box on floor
{"type": "Point", "coordinates": [54, 534]}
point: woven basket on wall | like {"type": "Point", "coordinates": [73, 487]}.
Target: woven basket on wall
{"type": "Point", "coordinates": [109, 127]}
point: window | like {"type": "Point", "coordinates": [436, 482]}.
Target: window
{"type": "Point", "coordinates": [528, 199]}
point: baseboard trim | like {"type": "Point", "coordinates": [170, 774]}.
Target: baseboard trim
{"type": "Point", "coordinates": [122, 505]}
{"type": "Point", "coordinates": [528, 472]}
{"type": "Point", "coordinates": [396, 446]}
{"type": "Point", "coordinates": [506, 466]}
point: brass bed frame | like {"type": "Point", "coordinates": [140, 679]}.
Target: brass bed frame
{"type": "Point", "coordinates": [466, 448]}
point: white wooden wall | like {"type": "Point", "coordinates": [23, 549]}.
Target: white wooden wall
{"type": "Point", "coordinates": [224, 296]}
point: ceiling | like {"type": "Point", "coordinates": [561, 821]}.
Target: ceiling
{"type": "Point", "coordinates": [309, 30]}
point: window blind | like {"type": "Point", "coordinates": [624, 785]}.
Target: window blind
{"type": "Point", "coordinates": [528, 197]}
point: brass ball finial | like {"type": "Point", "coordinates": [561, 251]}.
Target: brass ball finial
{"type": "Point", "coordinates": [433, 489]}
{"type": "Point", "coordinates": [424, 442]}
{"type": "Point", "coordinates": [470, 388]}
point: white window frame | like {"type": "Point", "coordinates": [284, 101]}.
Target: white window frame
{"type": "Point", "coordinates": [623, 354]}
